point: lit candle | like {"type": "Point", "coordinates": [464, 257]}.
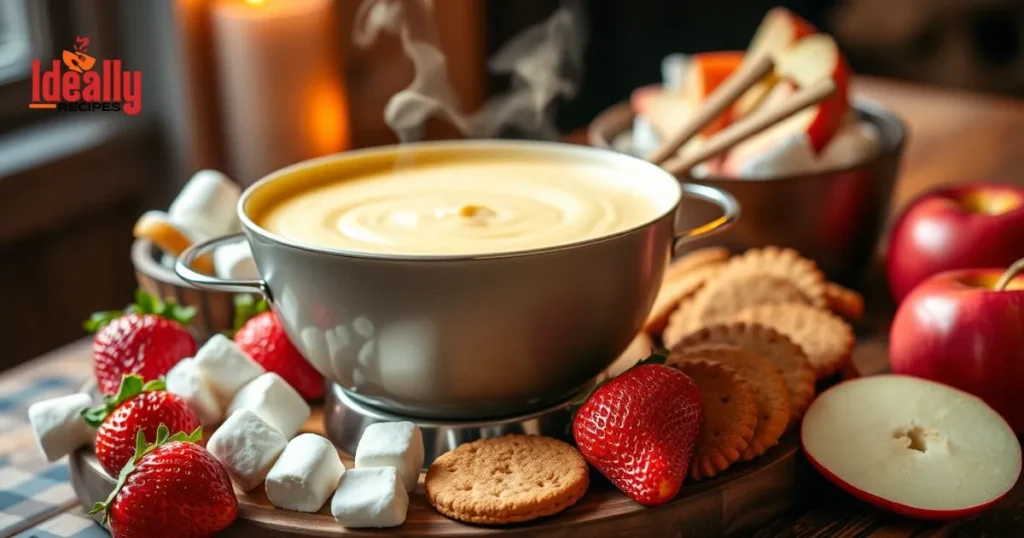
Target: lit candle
{"type": "Point", "coordinates": [281, 94]}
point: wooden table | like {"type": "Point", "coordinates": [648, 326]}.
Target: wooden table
{"type": "Point", "coordinates": [954, 137]}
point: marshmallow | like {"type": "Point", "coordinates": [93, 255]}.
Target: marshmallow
{"type": "Point", "coordinates": [791, 155]}
{"type": "Point", "coordinates": [305, 475]}
{"type": "Point", "coordinates": [168, 260]}
{"type": "Point", "coordinates": [247, 447]}
{"type": "Point", "coordinates": [370, 497]}
{"type": "Point", "coordinates": [206, 205]}
{"type": "Point", "coordinates": [59, 426]}
{"type": "Point", "coordinates": [645, 139]}
{"type": "Point", "coordinates": [225, 367]}
{"type": "Point", "coordinates": [187, 381]}
{"type": "Point", "coordinates": [674, 70]}
{"type": "Point", "coordinates": [854, 144]}
{"type": "Point", "coordinates": [395, 444]}
{"type": "Point", "coordinates": [275, 401]}
{"type": "Point", "coordinates": [235, 261]}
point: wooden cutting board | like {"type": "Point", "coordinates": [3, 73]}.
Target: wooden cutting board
{"type": "Point", "coordinates": [742, 499]}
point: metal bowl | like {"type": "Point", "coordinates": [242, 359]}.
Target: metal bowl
{"type": "Point", "coordinates": [476, 336]}
{"type": "Point", "coordinates": [833, 217]}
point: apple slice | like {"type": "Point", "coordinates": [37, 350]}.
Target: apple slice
{"type": "Point", "coordinates": [808, 61]}
{"type": "Point", "coordinates": [666, 111]}
{"type": "Point", "coordinates": [779, 29]}
{"type": "Point", "coordinates": [707, 71]}
{"type": "Point", "coordinates": [914, 447]}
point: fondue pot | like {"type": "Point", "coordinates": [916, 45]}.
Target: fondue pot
{"type": "Point", "coordinates": [467, 336]}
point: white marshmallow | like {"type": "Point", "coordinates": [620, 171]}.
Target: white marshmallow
{"type": "Point", "coordinates": [305, 475]}
{"type": "Point", "coordinates": [206, 205]}
{"type": "Point", "coordinates": [247, 447]}
{"type": "Point", "coordinates": [674, 69]}
{"type": "Point", "coordinates": [645, 140]}
{"type": "Point", "coordinates": [791, 155]}
{"type": "Point", "coordinates": [395, 444]}
{"type": "Point", "coordinates": [226, 367]}
{"type": "Point", "coordinates": [234, 260]}
{"type": "Point", "coordinates": [168, 260]}
{"type": "Point", "coordinates": [59, 426]}
{"type": "Point", "coordinates": [370, 497]}
{"type": "Point", "coordinates": [855, 143]}
{"type": "Point", "coordinates": [187, 381]}
{"type": "Point", "coordinates": [275, 401]}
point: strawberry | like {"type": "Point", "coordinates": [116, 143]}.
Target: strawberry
{"type": "Point", "coordinates": [264, 339]}
{"type": "Point", "coordinates": [170, 488]}
{"type": "Point", "coordinates": [638, 430]}
{"type": "Point", "coordinates": [148, 339]}
{"type": "Point", "coordinates": [137, 408]}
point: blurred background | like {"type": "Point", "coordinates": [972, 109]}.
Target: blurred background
{"type": "Point", "coordinates": [73, 184]}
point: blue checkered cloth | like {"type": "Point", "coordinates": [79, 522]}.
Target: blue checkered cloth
{"type": "Point", "coordinates": [36, 498]}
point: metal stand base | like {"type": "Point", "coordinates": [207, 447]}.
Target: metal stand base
{"type": "Point", "coordinates": [345, 418]}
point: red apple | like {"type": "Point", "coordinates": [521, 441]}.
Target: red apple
{"type": "Point", "coordinates": [958, 328]}
{"type": "Point", "coordinates": [806, 62]}
{"type": "Point", "coordinates": [914, 447]}
{"type": "Point", "coordinates": [666, 111]}
{"type": "Point", "coordinates": [779, 29]}
{"type": "Point", "coordinates": [971, 225]}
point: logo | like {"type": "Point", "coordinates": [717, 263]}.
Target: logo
{"type": "Point", "coordinates": [73, 85]}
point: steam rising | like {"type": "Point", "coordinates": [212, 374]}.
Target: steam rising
{"type": "Point", "coordinates": [544, 63]}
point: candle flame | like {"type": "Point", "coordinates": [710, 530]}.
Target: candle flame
{"type": "Point", "coordinates": [327, 117]}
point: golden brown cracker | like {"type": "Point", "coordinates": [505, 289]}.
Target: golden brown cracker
{"type": "Point", "coordinates": [788, 357]}
{"type": "Point", "coordinates": [844, 301]}
{"type": "Point", "coordinates": [675, 290]}
{"type": "Point", "coordinates": [680, 323]}
{"type": "Point", "coordinates": [825, 338]}
{"type": "Point", "coordinates": [766, 380]}
{"type": "Point", "coordinates": [784, 263]}
{"type": "Point", "coordinates": [730, 417]}
{"type": "Point", "coordinates": [694, 259]}
{"type": "Point", "coordinates": [507, 479]}
{"type": "Point", "coordinates": [735, 290]}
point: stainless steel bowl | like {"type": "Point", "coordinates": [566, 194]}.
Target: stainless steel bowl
{"type": "Point", "coordinates": [833, 217]}
{"type": "Point", "coordinates": [467, 336]}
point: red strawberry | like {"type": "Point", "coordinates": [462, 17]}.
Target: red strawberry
{"type": "Point", "coordinates": [263, 338]}
{"type": "Point", "coordinates": [137, 407]}
{"type": "Point", "coordinates": [639, 429]}
{"type": "Point", "coordinates": [171, 488]}
{"type": "Point", "coordinates": [148, 339]}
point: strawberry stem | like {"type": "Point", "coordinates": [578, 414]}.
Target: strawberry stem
{"type": "Point", "coordinates": [132, 385]}
{"type": "Point", "coordinates": [248, 307]}
{"type": "Point", "coordinates": [144, 304]}
{"type": "Point", "coordinates": [141, 449]}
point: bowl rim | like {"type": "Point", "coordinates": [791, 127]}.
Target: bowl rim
{"type": "Point", "coordinates": [876, 111]}
{"type": "Point", "coordinates": [531, 146]}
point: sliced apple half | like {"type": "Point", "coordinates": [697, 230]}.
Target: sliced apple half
{"type": "Point", "coordinates": [779, 29]}
{"type": "Point", "coordinates": [811, 60]}
{"type": "Point", "coordinates": [915, 447]}
{"type": "Point", "coordinates": [707, 71]}
{"type": "Point", "coordinates": [666, 111]}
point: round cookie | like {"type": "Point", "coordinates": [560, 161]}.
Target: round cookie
{"type": "Point", "coordinates": [730, 417]}
{"type": "Point", "coordinates": [769, 389]}
{"type": "Point", "coordinates": [782, 352]}
{"type": "Point", "coordinates": [735, 290]}
{"type": "Point", "coordinates": [825, 337]}
{"type": "Point", "coordinates": [694, 259]}
{"type": "Point", "coordinates": [675, 290]}
{"type": "Point", "coordinates": [507, 479]}
{"type": "Point", "coordinates": [784, 263]}
{"type": "Point", "coordinates": [844, 301]}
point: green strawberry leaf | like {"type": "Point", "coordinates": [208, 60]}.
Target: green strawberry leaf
{"type": "Point", "coordinates": [141, 449]}
{"type": "Point", "coordinates": [132, 385]}
{"type": "Point", "coordinates": [247, 306]}
{"type": "Point", "coordinates": [144, 304]}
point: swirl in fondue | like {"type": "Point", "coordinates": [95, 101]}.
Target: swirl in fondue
{"type": "Point", "coordinates": [471, 207]}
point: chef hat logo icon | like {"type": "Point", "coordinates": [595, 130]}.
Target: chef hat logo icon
{"type": "Point", "coordinates": [78, 60]}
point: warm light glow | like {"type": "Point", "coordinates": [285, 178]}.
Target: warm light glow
{"type": "Point", "coordinates": [255, 2]}
{"type": "Point", "coordinates": [327, 117]}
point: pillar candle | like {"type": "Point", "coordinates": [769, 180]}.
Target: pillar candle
{"type": "Point", "coordinates": [281, 93]}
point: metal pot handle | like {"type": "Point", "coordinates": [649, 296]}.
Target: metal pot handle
{"type": "Point", "coordinates": [730, 213]}
{"type": "Point", "coordinates": [183, 268]}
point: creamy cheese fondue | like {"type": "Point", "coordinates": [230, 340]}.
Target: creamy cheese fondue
{"type": "Point", "coordinates": [463, 207]}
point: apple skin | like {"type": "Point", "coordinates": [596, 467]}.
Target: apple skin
{"type": "Point", "coordinates": [950, 330]}
{"type": "Point", "coordinates": [936, 233]}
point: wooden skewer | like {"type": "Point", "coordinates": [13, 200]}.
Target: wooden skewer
{"type": "Point", "coordinates": [752, 125]}
{"type": "Point", "coordinates": [729, 91]}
